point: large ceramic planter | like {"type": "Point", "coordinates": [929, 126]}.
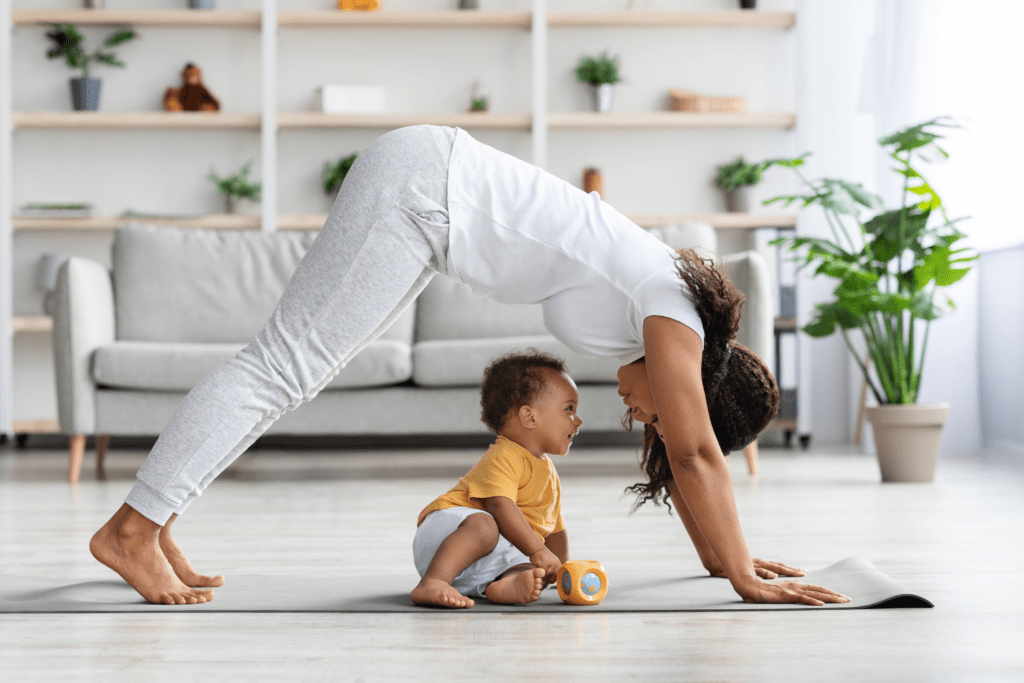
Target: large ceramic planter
{"type": "Point", "coordinates": [907, 439]}
{"type": "Point", "coordinates": [85, 94]}
{"type": "Point", "coordinates": [602, 95]}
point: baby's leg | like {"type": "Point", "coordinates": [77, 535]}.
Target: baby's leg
{"type": "Point", "coordinates": [474, 538]}
{"type": "Point", "coordinates": [520, 585]}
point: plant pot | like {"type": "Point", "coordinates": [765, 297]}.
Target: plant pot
{"type": "Point", "coordinates": [85, 94]}
{"type": "Point", "coordinates": [907, 439]}
{"type": "Point", "coordinates": [738, 199]}
{"type": "Point", "coordinates": [201, 4]}
{"type": "Point", "coordinates": [229, 203]}
{"type": "Point", "coordinates": [602, 94]}
{"type": "Point", "coordinates": [469, 4]}
{"type": "Point", "coordinates": [748, 4]}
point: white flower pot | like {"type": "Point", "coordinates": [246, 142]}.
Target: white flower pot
{"type": "Point", "coordinates": [907, 439]}
{"type": "Point", "coordinates": [602, 94]}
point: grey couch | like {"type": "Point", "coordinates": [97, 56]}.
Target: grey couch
{"type": "Point", "coordinates": [129, 342]}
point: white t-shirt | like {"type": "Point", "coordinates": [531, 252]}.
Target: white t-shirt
{"type": "Point", "coordinates": [521, 235]}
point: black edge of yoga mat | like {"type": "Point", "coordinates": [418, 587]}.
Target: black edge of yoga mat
{"type": "Point", "coordinates": [868, 587]}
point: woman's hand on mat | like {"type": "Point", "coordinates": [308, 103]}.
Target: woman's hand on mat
{"type": "Point", "coordinates": [767, 569]}
{"type": "Point", "coordinates": [753, 590]}
{"type": "Point", "coordinates": [548, 561]}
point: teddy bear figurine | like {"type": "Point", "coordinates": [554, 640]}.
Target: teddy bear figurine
{"type": "Point", "coordinates": [192, 95]}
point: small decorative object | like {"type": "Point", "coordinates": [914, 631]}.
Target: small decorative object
{"type": "Point", "coordinates": [201, 4]}
{"type": "Point", "coordinates": [359, 5]}
{"type": "Point", "coordinates": [592, 181]}
{"type": "Point", "coordinates": [335, 173]}
{"type": "Point", "coordinates": [94, 4]}
{"type": "Point", "coordinates": [350, 99]}
{"type": "Point", "coordinates": [479, 100]}
{"type": "Point", "coordinates": [748, 4]}
{"type": "Point", "coordinates": [582, 582]}
{"type": "Point", "coordinates": [237, 187]}
{"type": "Point", "coordinates": [601, 73]}
{"type": "Point", "coordinates": [685, 100]}
{"type": "Point", "coordinates": [469, 4]}
{"type": "Point", "coordinates": [85, 91]}
{"type": "Point", "coordinates": [192, 95]}
{"type": "Point", "coordinates": [889, 269]}
{"type": "Point", "coordinates": [56, 210]}
{"type": "Point", "coordinates": [737, 178]}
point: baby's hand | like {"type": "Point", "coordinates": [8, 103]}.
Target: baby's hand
{"type": "Point", "coordinates": [548, 561]}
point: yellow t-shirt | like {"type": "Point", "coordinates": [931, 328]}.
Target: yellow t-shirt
{"type": "Point", "coordinates": [507, 469]}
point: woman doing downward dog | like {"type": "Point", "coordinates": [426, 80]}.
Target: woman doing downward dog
{"type": "Point", "coordinates": [425, 200]}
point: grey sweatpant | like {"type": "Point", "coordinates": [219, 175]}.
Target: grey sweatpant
{"type": "Point", "coordinates": [386, 236]}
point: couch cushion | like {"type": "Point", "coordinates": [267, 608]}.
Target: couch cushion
{"type": "Point", "coordinates": [449, 310]}
{"type": "Point", "coordinates": [461, 362]}
{"type": "Point", "coordinates": [162, 366]}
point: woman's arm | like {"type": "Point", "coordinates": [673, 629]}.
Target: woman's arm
{"type": "Point", "coordinates": [673, 358]}
{"type": "Point", "coordinates": [558, 543]}
{"type": "Point", "coordinates": [513, 526]}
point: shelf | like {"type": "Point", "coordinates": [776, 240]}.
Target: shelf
{"type": "Point", "coordinates": [725, 220]}
{"type": "Point", "coordinates": [785, 324]}
{"type": "Point", "coordinates": [32, 323]}
{"type": "Point", "coordinates": [35, 427]}
{"type": "Point", "coordinates": [385, 19]}
{"type": "Point", "coordinates": [133, 119]}
{"type": "Point", "coordinates": [438, 19]}
{"type": "Point", "coordinates": [313, 119]}
{"type": "Point", "coordinates": [669, 119]}
{"type": "Point", "coordinates": [707, 19]}
{"type": "Point", "coordinates": [152, 17]}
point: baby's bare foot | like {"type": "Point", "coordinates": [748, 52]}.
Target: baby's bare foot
{"type": "Point", "coordinates": [440, 594]}
{"type": "Point", "coordinates": [128, 544]}
{"type": "Point", "coordinates": [517, 589]}
{"type": "Point", "coordinates": [183, 569]}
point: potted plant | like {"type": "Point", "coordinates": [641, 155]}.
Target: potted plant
{"type": "Point", "coordinates": [890, 269]}
{"type": "Point", "coordinates": [236, 187]}
{"type": "Point", "coordinates": [335, 173]}
{"type": "Point", "coordinates": [737, 178]}
{"type": "Point", "coordinates": [85, 91]}
{"type": "Point", "coordinates": [601, 73]}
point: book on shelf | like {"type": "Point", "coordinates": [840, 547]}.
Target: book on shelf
{"type": "Point", "coordinates": [143, 215]}
{"type": "Point", "coordinates": [55, 210]}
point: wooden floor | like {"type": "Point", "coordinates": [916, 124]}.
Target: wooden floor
{"type": "Point", "coordinates": [959, 541]}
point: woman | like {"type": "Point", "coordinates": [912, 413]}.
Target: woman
{"type": "Point", "coordinates": [425, 200]}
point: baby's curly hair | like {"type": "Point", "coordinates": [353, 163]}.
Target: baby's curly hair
{"type": "Point", "coordinates": [513, 381]}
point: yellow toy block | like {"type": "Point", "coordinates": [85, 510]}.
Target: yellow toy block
{"type": "Point", "coordinates": [358, 5]}
{"type": "Point", "coordinates": [582, 582]}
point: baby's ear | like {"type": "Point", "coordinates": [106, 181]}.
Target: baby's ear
{"type": "Point", "coordinates": [527, 416]}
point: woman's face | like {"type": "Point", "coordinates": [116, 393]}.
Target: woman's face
{"type": "Point", "coordinates": [636, 393]}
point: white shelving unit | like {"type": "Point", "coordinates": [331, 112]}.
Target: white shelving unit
{"type": "Point", "coordinates": [269, 21]}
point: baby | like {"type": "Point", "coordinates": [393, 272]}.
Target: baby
{"type": "Point", "coordinates": [499, 533]}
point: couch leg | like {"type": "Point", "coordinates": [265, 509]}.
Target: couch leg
{"type": "Point", "coordinates": [751, 452]}
{"type": "Point", "coordinates": [102, 444]}
{"type": "Point", "coordinates": [75, 453]}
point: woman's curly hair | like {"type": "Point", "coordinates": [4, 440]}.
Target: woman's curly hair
{"type": "Point", "coordinates": [513, 381]}
{"type": "Point", "coordinates": [741, 394]}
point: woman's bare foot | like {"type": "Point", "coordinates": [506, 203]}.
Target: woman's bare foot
{"type": "Point", "coordinates": [440, 594]}
{"type": "Point", "coordinates": [183, 569]}
{"type": "Point", "coordinates": [128, 544]}
{"type": "Point", "coordinates": [517, 588]}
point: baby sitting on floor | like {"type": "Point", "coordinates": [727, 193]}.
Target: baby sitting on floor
{"type": "Point", "coordinates": [499, 533]}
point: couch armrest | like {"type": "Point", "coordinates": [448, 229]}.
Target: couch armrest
{"type": "Point", "coordinates": [749, 272]}
{"type": "Point", "coordinates": [83, 319]}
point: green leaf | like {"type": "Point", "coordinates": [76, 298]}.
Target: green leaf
{"type": "Point", "coordinates": [122, 36]}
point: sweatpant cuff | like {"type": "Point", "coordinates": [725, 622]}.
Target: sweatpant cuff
{"type": "Point", "coordinates": [150, 504]}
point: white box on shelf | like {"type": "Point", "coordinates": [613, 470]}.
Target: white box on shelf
{"type": "Point", "coordinates": [350, 99]}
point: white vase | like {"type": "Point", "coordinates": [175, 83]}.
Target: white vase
{"type": "Point", "coordinates": [907, 439]}
{"type": "Point", "coordinates": [602, 94]}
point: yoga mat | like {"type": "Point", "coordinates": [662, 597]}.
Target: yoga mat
{"type": "Point", "coordinates": [854, 577]}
